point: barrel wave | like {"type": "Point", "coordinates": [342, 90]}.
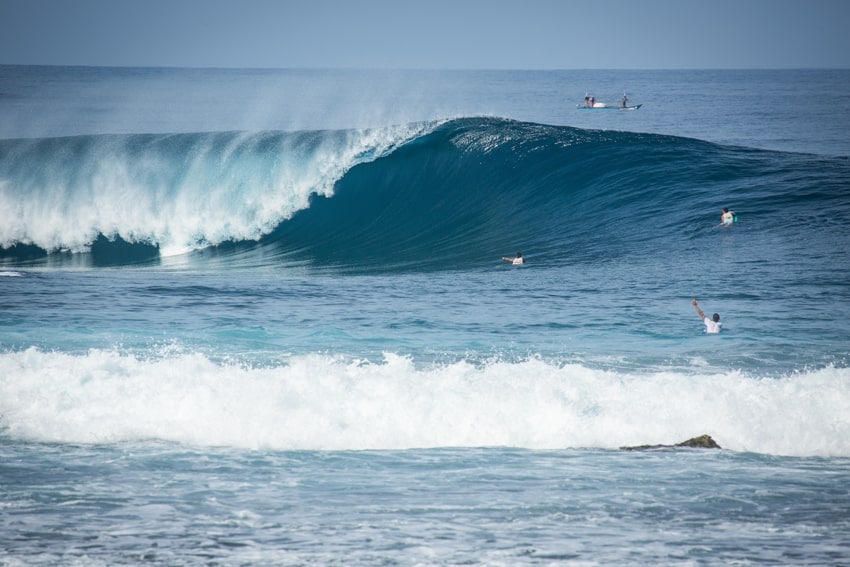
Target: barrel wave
{"type": "Point", "coordinates": [434, 196]}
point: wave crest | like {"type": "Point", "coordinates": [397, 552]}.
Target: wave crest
{"type": "Point", "coordinates": [176, 192]}
{"type": "Point", "coordinates": [422, 196]}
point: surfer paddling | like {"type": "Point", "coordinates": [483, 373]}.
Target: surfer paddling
{"type": "Point", "coordinates": [516, 261]}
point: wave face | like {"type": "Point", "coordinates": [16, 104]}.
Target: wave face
{"type": "Point", "coordinates": [422, 196]}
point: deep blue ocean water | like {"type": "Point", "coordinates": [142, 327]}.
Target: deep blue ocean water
{"type": "Point", "coordinates": [261, 317]}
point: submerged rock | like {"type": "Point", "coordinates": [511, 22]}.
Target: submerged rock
{"type": "Point", "coordinates": [701, 442]}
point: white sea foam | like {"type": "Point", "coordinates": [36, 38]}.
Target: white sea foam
{"type": "Point", "coordinates": [323, 402]}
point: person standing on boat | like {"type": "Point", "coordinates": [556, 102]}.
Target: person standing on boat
{"type": "Point", "coordinates": [586, 100]}
{"type": "Point", "coordinates": [625, 100]}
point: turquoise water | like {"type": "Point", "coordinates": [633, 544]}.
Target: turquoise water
{"type": "Point", "coordinates": [261, 317]}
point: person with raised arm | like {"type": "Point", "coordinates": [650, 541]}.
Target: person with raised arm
{"type": "Point", "coordinates": [712, 325]}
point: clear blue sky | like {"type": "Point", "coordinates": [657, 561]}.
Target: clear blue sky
{"type": "Point", "coordinates": [438, 34]}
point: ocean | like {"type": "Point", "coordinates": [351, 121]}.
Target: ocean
{"type": "Point", "coordinates": [262, 317]}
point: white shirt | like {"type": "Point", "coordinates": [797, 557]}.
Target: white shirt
{"type": "Point", "coordinates": [712, 326]}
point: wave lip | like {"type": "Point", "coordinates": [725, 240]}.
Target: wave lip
{"type": "Point", "coordinates": [174, 192]}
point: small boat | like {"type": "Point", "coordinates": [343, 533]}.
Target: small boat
{"type": "Point", "coordinates": [603, 106]}
{"type": "Point", "coordinates": [590, 103]}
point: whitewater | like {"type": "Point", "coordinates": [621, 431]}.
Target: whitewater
{"type": "Point", "coordinates": [261, 316]}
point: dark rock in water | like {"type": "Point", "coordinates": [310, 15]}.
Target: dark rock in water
{"type": "Point", "coordinates": [701, 442]}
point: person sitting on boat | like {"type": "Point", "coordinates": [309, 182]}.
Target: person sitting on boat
{"type": "Point", "coordinates": [517, 261]}
{"type": "Point", "coordinates": [728, 217]}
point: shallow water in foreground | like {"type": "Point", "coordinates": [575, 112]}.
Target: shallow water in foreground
{"type": "Point", "coordinates": [167, 504]}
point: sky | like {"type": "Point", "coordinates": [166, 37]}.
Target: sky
{"type": "Point", "coordinates": [428, 34]}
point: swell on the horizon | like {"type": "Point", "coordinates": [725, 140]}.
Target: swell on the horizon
{"type": "Point", "coordinates": [436, 196]}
